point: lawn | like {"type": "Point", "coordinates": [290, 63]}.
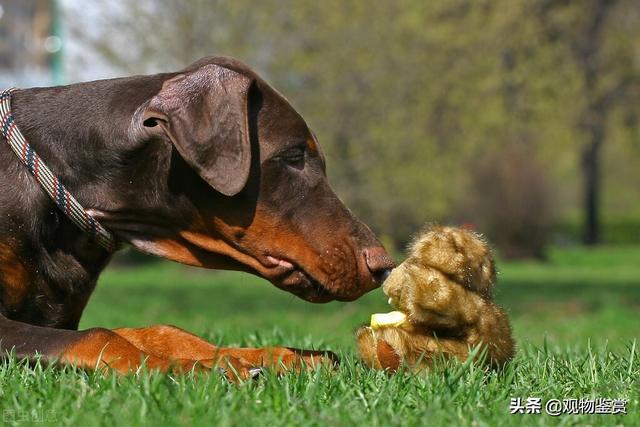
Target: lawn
{"type": "Point", "coordinates": [575, 319]}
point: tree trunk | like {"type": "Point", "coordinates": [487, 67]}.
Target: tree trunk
{"type": "Point", "coordinates": [591, 176]}
{"type": "Point", "coordinates": [587, 51]}
{"type": "Point", "coordinates": [585, 43]}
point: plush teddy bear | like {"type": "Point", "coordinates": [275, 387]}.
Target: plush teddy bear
{"type": "Point", "coordinates": [443, 294]}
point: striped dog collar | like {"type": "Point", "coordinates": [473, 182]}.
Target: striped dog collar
{"type": "Point", "coordinates": [48, 181]}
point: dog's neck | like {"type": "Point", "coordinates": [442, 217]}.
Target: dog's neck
{"type": "Point", "coordinates": [49, 267]}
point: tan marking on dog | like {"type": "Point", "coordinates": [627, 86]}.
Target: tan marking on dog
{"type": "Point", "coordinates": [312, 146]}
{"type": "Point", "coordinates": [14, 277]}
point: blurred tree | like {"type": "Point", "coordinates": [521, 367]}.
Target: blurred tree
{"type": "Point", "coordinates": [593, 34]}
{"type": "Point", "coordinates": [511, 200]}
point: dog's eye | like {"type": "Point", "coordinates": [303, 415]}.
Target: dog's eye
{"type": "Point", "coordinates": [294, 156]}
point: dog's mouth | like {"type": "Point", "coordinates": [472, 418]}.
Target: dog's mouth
{"type": "Point", "coordinates": [292, 278]}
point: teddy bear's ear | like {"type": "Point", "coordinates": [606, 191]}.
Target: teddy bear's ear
{"type": "Point", "coordinates": [387, 356]}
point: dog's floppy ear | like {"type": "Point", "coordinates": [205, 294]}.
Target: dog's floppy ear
{"type": "Point", "coordinates": [205, 114]}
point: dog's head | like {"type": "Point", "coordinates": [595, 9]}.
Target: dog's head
{"type": "Point", "coordinates": [235, 179]}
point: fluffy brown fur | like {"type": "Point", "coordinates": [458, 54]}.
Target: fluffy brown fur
{"type": "Point", "coordinates": [445, 289]}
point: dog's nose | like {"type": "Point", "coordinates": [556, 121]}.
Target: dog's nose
{"type": "Point", "coordinates": [379, 263]}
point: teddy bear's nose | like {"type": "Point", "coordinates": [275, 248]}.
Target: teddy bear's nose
{"type": "Point", "coordinates": [379, 263]}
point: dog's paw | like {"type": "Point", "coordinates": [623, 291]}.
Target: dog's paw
{"type": "Point", "coordinates": [309, 360]}
{"type": "Point", "coordinates": [232, 368]}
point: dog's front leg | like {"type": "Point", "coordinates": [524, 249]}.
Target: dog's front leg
{"type": "Point", "coordinates": [170, 342]}
{"type": "Point", "coordinates": [102, 348]}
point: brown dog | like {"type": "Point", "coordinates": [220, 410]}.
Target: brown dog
{"type": "Point", "coordinates": [208, 166]}
{"type": "Point", "coordinates": [445, 289]}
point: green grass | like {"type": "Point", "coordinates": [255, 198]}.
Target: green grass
{"type": "Point", "coordinates": [575, 319]}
